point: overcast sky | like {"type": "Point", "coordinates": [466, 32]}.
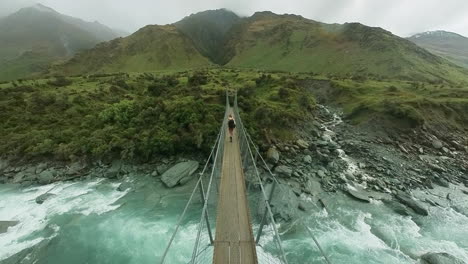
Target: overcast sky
{"type": "Point", "coordinates": [402, 17]}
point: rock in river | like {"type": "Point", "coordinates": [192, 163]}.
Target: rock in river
{"type": "Point", "coordinates": [440, 258]}
{"type": "Point", "coordinates": [178, 172]}
{"type": "Point", "coordinates": [409, 201]}
{"type": "Point", "coordinates": [4, 225]}
{"type": "Point", "coordinates": [41, 198]}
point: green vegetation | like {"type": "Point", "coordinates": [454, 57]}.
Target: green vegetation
{"type": "Point", "coordinates": [291, 43]}
{"type": "Point", "coordinates": [152, 48]}
{"type": "Point", "coordinates": [157, 92]}
{"type": "Point", "coordinates": [140, 116]}
{"type": "Point", "coordinates": [402, 104]}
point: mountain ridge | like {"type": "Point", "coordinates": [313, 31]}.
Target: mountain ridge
{"type": "Point", "coordinates": [34, 37]}
{"type": "Point", "coordinates": [450, 45]}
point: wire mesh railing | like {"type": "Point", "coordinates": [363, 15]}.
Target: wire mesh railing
{"type": "Point", "coordinates": [264, 247]}
{"type": "Point", "coordinates": [206, 188]}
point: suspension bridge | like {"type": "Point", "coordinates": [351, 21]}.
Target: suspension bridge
{"type": "Point", "coordinates": [236, 223]}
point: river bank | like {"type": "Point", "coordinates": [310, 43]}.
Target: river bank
{"type": "Point", "coordinates": [343, 181]}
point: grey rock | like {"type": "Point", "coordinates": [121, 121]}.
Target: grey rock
{"type": "Point", "coordinates": [436, 167]}
{"type": "Point", "coordinates": [361, 196]}
{"type": "Point", "coordinates": [4, 225]}
{"type": "Point", "coordinates": [114, 171]}
{"type": "Point", "coordinates": [446, 150]}
{"type": "Point", "coordinates": [284, 203]}
{"type": "Point", "coordinates": [441, 182]}
{"type": "Point", "coordinates": [175, 174]}
{"type": "Point", "coordinates": [3, 164]}
{"type": "Point", "coordinates": [124, 186]}
{"type": "Point", "coordinates": [74, 168]}
{"type": "Point", "coordinates": [440, 258]}
{"type": "Point", "coordinates": [301, 207]}
{"type": "Point", "coordinates": [313, 187]}
{"type": "Point", "coordinates": [46, 176]}
{"type": "Point", "coordinates": [321, 173]}
{"type": "Point", "coordinates": [41, 167]}
{"type": "Point", "coordinates": [273, 155]}
{"type": "Point", "coordinates": [283, 170]}
{"type": "Point", "coordinates": [302, 143]}
{"type": "Point", "coordinates": [398, 208]}
{"type": "Point", "coordinates": [409, 201]}
{"type": "Point", "coordinates": [307, 159]}
{"type": "Point", "coordinates": [437, 144]}
{"type": "Point", "coordinates": [42, 198]}
{"type": "Point", "coordinates": [19, 177]}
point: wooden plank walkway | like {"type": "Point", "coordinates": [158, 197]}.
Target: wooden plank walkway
{"type": "Point", "coordinates": [234, 242]}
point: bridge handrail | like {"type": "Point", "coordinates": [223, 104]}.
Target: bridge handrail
{"type": "Point", "coordinates": [220, 146]}
{"type": "Point", "coordinates": [216, 145]}
{"type": "Point", "coordinates": [273, 176]}
{"type": "Point", "coordinates": [265, 196]}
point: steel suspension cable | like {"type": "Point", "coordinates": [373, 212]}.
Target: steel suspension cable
{"type": "Point", "coordinates": [181, 217]}
{"type": "Point", "coordinates": [281, 187]}
{"type": "Point", "coordinates": [267, 205]}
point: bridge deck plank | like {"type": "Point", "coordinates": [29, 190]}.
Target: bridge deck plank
{"type": "Point", "coordinates": [234, 242]}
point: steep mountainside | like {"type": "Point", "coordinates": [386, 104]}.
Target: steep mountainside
{"type": "Point", "coordinates": [152, 48]}
{"type": "Point", "coordinates": [33, 37]}
{"type": "Point", "coordinates": [208, 31]}
{"type": "Point", "coordinates": [293, 43]}
{"type": "Point", "coordinates": [450, 45]}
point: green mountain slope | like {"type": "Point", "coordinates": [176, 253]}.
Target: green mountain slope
{"type": "Point", "coordinates": [33, 37]}
{"type": "Point", "coordinates": [450, 45]}
{"type": "Point", "coordinates": [208, 31]}
{"type": "Point", "coordinates": [152, 48]}
{"type": "Point", "coordinates": [292, 43]}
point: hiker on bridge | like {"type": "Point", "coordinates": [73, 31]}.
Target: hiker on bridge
{"type": "Point", "coordinates": [231, 126]}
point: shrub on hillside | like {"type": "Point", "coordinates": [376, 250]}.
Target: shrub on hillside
{"type": "Point", "coordinates": [60, 81]}
{"type": "Point", "coordinates": [198, 78]}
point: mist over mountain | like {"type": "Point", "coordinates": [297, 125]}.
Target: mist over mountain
{"type": "Point", "coordinates": [449, 45]}
{"type": "Point", "coordinates": [36, 36]}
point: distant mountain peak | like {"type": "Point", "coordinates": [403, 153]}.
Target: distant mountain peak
{"type": "Point", "coordinates": [43, 8]}
{"type": "Point", "coordinates": [438, 33]}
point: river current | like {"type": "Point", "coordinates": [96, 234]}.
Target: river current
{"type": "Point", "coordinates": [92, 222]}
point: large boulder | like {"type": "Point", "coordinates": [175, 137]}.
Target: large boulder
{"type": "Point", "coordinates": [437, 144]}
{"type": "Point", "coordinates": [284, 203]}
{"type": "Point", "coordinates": [302, 143]}
{"type": "Point", "coordinates": [43, 197]}
{"type": "Point", "coordinates": [4, 225]}
{"type": "Point", "coordinates": [45, 177]}
{"type": "Point", "coordinates": [409, 201]}
{"type": "Point", "coordinates": [113, 171]}
{"type": "Point", "coordinates": [283, 171]}
{"type": "Point", "coordinates": [177, 173]}
{"type": "Point", "coordinates": [273, 155]}
{"type": "Point", "coordinates": [440, 258]}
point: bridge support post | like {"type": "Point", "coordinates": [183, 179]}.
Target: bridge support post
{"type": "Point", "coordinates": [202, 193]}
{"type": "Point", "coordinates": [267, 203]}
